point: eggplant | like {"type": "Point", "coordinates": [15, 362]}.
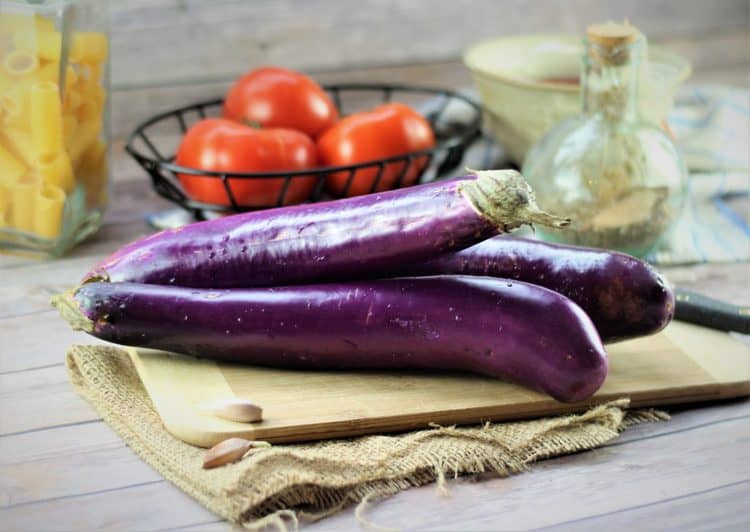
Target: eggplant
{"type": "Point", "coordinates": [624, 297]}
{"type": "Point", "coordinates": [509, 330]}
{"type": "Point", "coordinates": [333, 240]}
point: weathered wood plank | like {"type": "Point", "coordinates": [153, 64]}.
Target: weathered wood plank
{"type": "Point", "coordinates": [610, 480]}
{"type": "Point", "coordinates": [148, 506]}
{"type": "Point", "coordinates": [34, 341]}
{"type": "Point", "coordinates": [37, 399]}
{"type": "Point", "coordinates": [160, 42]}
{"type": "Point", "coordinates": [722, 508]}
{"type": "Point", "coordinates": [84, 459]}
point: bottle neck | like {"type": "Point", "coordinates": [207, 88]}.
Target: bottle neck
{"type": "Point", "coordinates": [610, 80]}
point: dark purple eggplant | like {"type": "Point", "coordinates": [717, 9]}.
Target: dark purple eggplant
{"type": "Point", "coordinates": [625, 297]}
{"type": "Point", "coordinates": [506, 329]}
{"type": "Point", "coordinates": [333, 240]}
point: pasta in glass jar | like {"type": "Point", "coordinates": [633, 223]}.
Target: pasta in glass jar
{"type": "Point", "coordinates": [54, 82]}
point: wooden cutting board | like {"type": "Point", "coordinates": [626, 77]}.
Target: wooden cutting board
{"type": "Point", "coordinates": [683, 364]}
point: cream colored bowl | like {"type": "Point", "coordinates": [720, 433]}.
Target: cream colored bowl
{"type": "Point", "coordinates": [520, 107]}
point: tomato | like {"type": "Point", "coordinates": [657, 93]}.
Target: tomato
{"type": "Point", "coordinates": [386, 131]}
{"type": "Point", "coordinates": [275, 97]}
{"type": "Point", "coordinates": [221, 145]}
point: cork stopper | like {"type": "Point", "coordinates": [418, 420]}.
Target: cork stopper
{"type": "Point", "coordinates": [609, 41]}
{"type": "Point", "coordinates": [612, 34]}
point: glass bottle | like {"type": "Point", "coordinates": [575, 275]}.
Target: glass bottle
{"type": "Point", "coordinates": [54, 151]}
{"type": "Point", "coordinates": [620, 178]}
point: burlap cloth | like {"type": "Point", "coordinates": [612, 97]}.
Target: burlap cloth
{"type": "Point", "coordinates": [279, 485]}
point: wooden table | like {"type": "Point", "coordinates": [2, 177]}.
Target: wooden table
{"type": "Point", "coordinates": [61, 467]}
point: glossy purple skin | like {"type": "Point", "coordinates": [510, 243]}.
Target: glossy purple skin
{"type": "Point", "coordinates": [332, 240]}
{"type": "Point", "coordinates": [625, 297]}
{"type": "Point", "coordinates": [509, 330]}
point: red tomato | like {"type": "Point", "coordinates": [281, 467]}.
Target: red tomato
{"type": "Point", "coordinates": [275, 97]}
{"type": "Point", "coordinates": [386, 131]}
{"type": "Point", "coordinates": [221, 145]}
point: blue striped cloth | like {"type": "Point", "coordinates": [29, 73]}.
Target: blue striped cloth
{"type": "Point", "coordinates": [712, 127]}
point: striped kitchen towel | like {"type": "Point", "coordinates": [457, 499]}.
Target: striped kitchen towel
{"type": "Point", "coordinates": [712, 127]}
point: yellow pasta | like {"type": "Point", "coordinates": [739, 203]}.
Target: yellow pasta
{"type": "Point", "coordinates": [50, 71]}
{"type": "Point", "coordinates": [5, 81]}
{"type": "Point", "coordinates": [70, 124]}
{"type": "Point", "coordinates": [88, 47]}
{"type": "Point", "coordinates": [15, 22]}
{"type": "Point", "coordinates": [72, 101]}
{"type": "Point", "coordinates": [4, 206]}
{"type": "Point", "coordinates": [15, 104]}
{"type": "Point", "coordinates": [11, 169]}
{"type": "Point", "coordinates": [23, 197]}
{"type": "Point", "coordinates": [46, 119]}
{"type": "Point", "coordinates": [48, 211]}
{"type": "Point", "coordinates": [18, 142]}
{"type": "Point", "coordinates": [93, 172]}
{"type": "Point", "coordinates": [56, 169]}
{"type": "Point", "coordinates": [86, 134]}
{"type": "Point", "coordinates": [19, 63]}
{"type": "Point", "coordinates": [46, 45]}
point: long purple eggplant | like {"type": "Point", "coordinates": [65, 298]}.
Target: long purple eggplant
{"type": "Point", "coordinates": [625, 297]}
{"type": "Point", "coordinates": [506, 329]}
{"type": "Point", "coordinates": [332, 240]}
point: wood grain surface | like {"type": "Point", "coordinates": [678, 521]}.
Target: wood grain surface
{"type": "Point", "coordinates": [61, 468]}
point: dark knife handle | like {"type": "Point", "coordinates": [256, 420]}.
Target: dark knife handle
{"type": "Point", "coordinates": [701, 310]}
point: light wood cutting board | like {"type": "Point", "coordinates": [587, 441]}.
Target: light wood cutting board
{"type": "Point", "coordinates": [683, 364]}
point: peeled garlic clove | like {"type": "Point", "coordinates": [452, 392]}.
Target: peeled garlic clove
{"type": "Point", "coordinates": [226, 452]}
{"type": "Point", "coordinates": [234, 409]}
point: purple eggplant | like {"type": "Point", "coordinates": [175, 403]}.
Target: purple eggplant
{"type": "Point", "coordinates": [333, 240]}
{"type": "Point", "coordinates": [624, 297]}
{"type": "Point", "coordinates": [510, 330]}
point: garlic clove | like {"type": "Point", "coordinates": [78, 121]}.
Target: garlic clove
{"type": "Point", "coordinates": [226, 452]}
{"type": "Point", "coordinates": [234, 409]}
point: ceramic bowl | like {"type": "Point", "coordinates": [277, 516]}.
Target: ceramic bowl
{"type": "Point", "coordinates": [528, 83]}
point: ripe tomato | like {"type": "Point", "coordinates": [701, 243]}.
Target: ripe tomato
{"type": "Point", "coordinates": [386, 131]}
{"type": "Point", "coordinates": [221, 145]}
{"type": "Point", "coordinates": [275, 97]}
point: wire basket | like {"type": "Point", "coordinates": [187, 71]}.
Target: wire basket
{"type": "Point", "coordinates": [454, 118]}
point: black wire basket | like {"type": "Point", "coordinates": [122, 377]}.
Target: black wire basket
{"type": "Point", "coordinates": [454, 118]}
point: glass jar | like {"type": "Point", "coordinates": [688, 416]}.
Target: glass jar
{"type": "Point", "coordinates": [619, 177]}
{"type": "Point", "coordinates": [54, 151]}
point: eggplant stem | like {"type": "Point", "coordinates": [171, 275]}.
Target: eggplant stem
{"type": "Point", "coordinates": [506, 199]}
{"type": "Point", "coordinates": [70, 312]}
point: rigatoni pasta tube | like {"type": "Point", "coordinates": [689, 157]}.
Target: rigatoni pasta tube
{"type": "Point", "coordinates": [46, 45]}
{"type": "Point", "coordinates": [19, 63]}
{"type": "Point", "coordinates": [93, 172]}
{"type": "Point", "coordinates": [48, 211]}
{"type": "Point", "coordinates": [23, 197]}
{"type": "Point", "coordinates": [15, 104]}
{"type": "Point", "coordinates": [87, 132]}
{"type": "Point", "coordinates": [72, 101]}
{"type": "Point", "coordinates": [70, 124]}
{"type": "Point", "coordinates": [11, 169]}
{"type": "Point", "coordinates": [46, 119]}
{"type": "Point", "coordinates": [88, 47]}
{"type": "Point", "coordinates": [56, 170]}
{"type": "Point", "coordinates": [50, 71]}
{"type": "Point", "coordinates": [18, 142]}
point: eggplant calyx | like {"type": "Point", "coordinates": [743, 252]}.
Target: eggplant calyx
{"type": "Point", "coordinates": [507, 200]}
{"type": "Point", "coordinates": [69, 310]}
